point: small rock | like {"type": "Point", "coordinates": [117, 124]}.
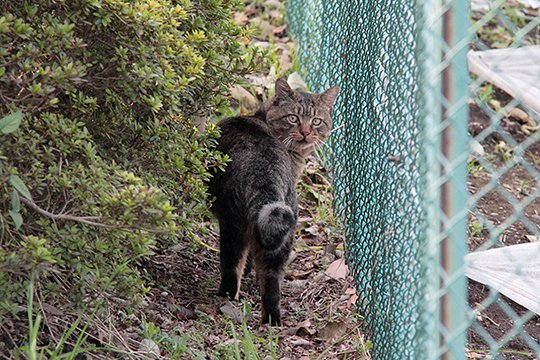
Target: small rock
{"type": "Point", "coordinates": [185, 313]}
{"type": "Point", "coordinates": [296, 82]}
{"type": "Point", "coordinates": [519, 114]}
{"type": "Point", "coordinates": [299, 284]}
{"type": "Point", "coordinates": [234, 313]}
{"type": "Point", "coordinates": [272, 4]}
{"type": "Point", "coordinates": [477, 148]}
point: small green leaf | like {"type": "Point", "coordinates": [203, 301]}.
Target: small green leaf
{"type": "Point", "coordinates": [17, 219]}
{"type": "Point", "coordinates": [18, 184]}
{"type": "Point", "coordinates": [11, 122]}
{"type": "Point", "coordinates": [15, 201]}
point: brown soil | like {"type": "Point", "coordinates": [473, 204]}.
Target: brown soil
{"type": "Point", "coordinates": [497, 318]}
{"type": "Point", "coordinates": [318, 311]}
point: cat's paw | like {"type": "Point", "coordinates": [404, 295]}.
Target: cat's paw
{"type": "Point", "coordinates": [272, 319]}
{"type": "Point", "coordinates": [227, 292]}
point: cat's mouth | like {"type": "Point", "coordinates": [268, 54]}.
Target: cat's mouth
{"type": "Point", "coordinates": [304, 143]}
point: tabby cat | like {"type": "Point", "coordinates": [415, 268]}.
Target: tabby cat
{"type": "Point", "coordinates": [255, 200]}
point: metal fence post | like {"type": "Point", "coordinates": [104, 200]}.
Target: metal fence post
{"type": "Point", "coordinates": [442, 51]}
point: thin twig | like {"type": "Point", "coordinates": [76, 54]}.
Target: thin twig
{"type": "Point", "coordinates": [85, 219]}
{"type": "Point", "coordinates": [81, 219]}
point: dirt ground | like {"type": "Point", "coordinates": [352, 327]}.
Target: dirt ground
{"type": "Point", "coordinates": [318, 308]}
{"type": "Point", "coordinates": [495, 208]}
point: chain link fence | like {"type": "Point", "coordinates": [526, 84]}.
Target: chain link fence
{"type": "Point", "coordinates": [436, 163]}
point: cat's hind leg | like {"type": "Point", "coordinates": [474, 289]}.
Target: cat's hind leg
{"type": "Point", "coordinates": [274, 233]}
{"type": "Point", "coordinates": [270, 266]}
{"type": "Point", "coordinates": [234, 250]}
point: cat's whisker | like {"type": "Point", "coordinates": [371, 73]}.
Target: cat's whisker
{"type": "Point", "coordinates": [288, 142]}
{"type": "Point", "coordinates": [319, 143]}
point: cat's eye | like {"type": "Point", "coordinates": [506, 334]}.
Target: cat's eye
{"type": "Point", "coordinates": [316, 121]}
{"type": "Point", "coordinates": [293, 119]}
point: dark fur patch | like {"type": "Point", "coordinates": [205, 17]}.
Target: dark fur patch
{"type": "Point", "coordinates": [260, 174]}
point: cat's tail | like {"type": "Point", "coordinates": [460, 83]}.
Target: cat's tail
{"type": "Point", "coordinates": [275, 223]}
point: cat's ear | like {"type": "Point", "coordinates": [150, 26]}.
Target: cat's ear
{"type": "Point", "coordinates": [328, 98]}
{"type": "Point", "coordinates": [283, 90]}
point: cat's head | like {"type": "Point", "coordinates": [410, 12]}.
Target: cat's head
{"type": "Point", "coordinates": [300, 120]}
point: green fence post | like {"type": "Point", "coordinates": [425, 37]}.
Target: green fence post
{"type": "Point", "coordinates": [444, 114]}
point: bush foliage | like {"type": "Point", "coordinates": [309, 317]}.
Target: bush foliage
{"type": "Point", "coordinates": [105, 164]}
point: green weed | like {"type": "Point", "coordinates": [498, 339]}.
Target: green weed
{"type": "Point", "coordinates": [474, 167]}
{"type": "Point", "coordinates": [30, 349]}
{"type": "Point", "coordinates": [504, 151]}
{"type": "Point", "coordinates": [524, 187]}
{"type": "Point", "coordinates": [476, 228]}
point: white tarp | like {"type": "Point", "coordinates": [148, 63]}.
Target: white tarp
{"type": "Point", "coordinates": [485, 5]}
{"type": "Point", "coordinates": [515, 70]}
{"type": "Point", "coordinates": [512, 270]}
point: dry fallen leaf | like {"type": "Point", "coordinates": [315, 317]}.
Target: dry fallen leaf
{"type": "Point", "coordinates": [150, 349]}
{"type": "Point", "coordinates": [240, 18]}
{"type": "Point", "coordinates": [280, 30]}
{"type": "Point", "coordinates": [52, 310]}
{"type": "Point", "coordinates": [298, 341]}
{"type": "Point", "coordinates": [519, 115]}
{"type": "Point", "coordinates": [350, 291]}
{"type": "Point", "coordinates": [234, 313]}
{"type": "Point", "coordinates": [305, 328]}
{"type": "Point", "coordinates": [296, 82]}
{"type": "Point", "coordinates": [299, 274]}
{"type": "Point", "coordinates": [245, 98]}
{"type": "Point", "coordinates": [338, 269]}
{"type": "Point", "coordinates": [351, 301]}
{"type": "Point", "coordinates": [332, 330]}
{"type": "Point", "coordinates": [313, 230]}
{"type": "Point", "coordinates": [302, 219]}
{"type": "Point", "coordinates": [532, 238]}
{"type": "Point", "coordinates": [473, 355]}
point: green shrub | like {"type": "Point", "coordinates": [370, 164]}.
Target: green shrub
{"type": "Point", "coordinates": [106, 148]}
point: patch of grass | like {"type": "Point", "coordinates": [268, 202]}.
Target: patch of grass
{"type": "Point", "coordinates": [513, 13]}
{"type": "Point", "coordinates": [524, 187]}
{"type": "Point", "coordinates": [32, 351]}
{"type": "Point", "coordinates": [485, 93]}
{"type": "Point", "coordinates": [504, 151]}
{"type": "Point", "coordinates": [535, 159]}
{"type": "Point", "coordinates": [203, 339]}
{"type": "Point", "coordinates": [476, 228]}
{"type": "Point", "coordinates": [474, 167]}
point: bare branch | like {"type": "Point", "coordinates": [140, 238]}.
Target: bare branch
{"type": "Point", "coordinates": [82, 219]}
{"type": "Point", "coordinates": [89, 220]}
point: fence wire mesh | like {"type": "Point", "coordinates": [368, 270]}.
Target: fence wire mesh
{"type": "Point", "coordinates": [436, 167]}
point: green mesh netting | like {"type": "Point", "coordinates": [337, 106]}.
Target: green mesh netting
{"type": "Point", "coordinates": [368, 48]}
{"type": "Point", "coordinates": [403, 152]}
